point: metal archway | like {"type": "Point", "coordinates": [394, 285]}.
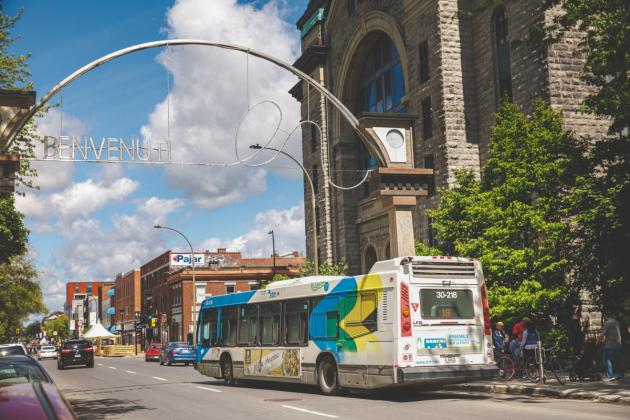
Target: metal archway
{"type": "Point", "coordinates": [345, 112]}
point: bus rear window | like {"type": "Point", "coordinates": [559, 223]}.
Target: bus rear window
{"type": "Point", "coordinates": [446, 303]}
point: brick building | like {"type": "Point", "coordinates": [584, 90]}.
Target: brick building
{"type": "Point", "coordinates": [167, 285]}
{"type": "Point", "coordinates": [84, 301]}
{"type": "Point", "coordinates": [424, 79]}
{"type": "Point", "coordinates": [127, 303]}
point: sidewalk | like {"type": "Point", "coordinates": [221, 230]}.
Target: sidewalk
{"type": "Point", "coordinates": [612, 392]}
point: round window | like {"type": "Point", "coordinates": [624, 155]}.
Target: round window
{"type": "Point", "coordinates": [395, 139]}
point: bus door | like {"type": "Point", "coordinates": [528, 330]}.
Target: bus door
{"type": "Point", "coordinates": [447, 319]}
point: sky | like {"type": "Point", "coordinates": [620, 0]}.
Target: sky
{"type": "Point", "coordinates": [90, 221]}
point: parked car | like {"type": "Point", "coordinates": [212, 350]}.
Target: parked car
{"type": "Point", "coordinates": [28, 392]}
{"type": "Point", "coordinates": [47, 352]}
{"type": "Point", "coordinates": [177, 352]}
{"type": "Point", "coordinates": [153, 352]}
{"type": "Point", "coordinates": [76, 352]}
{"type": "Point", "coordinates": [12, 349]}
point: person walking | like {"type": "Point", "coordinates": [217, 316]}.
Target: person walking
{"type": "Point", "coordinates": [613, 359]}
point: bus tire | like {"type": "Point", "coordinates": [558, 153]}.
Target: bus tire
{"type": "Point", "coordinates": [327, 376]}
{"type": "Point", "coordinates": [227, 371]}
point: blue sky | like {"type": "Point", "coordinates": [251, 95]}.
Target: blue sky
{"type": "Point", "coordinates": [89, 221]}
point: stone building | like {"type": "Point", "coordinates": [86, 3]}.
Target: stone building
{"type": "Point", "coordinates": [424, 78]}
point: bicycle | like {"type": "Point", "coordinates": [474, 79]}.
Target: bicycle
{"type": "Point", "coordinates": [543, 361]}
{"type": "Point", "coordinates": [506, 365]}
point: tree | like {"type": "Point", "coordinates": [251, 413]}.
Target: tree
{"type": "Point", "coordinates": [33, 329]}
{"type": "Point", "coordinates": [13, 234]}
{"type": "Point", "coordinates": [61, 324]}
{"type": "Point", "coordinates": [325, 269]}
{"type": "Point", "coordinates": [20, 295]}
{"type": "Point", "coordinates": [603, 227]}
{"type": "Point", "coordinates": [516, 219]}
{"type": "Point", "coordinates": [422, 249]}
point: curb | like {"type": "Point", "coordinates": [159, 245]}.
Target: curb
{"type": "Point", "coordinates": [534, 391]}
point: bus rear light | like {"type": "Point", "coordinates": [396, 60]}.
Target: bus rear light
{"type": "Point", "coordinates": [486, 310]}
{"type": "Point", "coordinates": [405, 320]}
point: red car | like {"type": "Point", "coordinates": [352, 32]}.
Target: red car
{"type": "Point", "coordinates": [28, 392]}
{"type": "Point", "coordinates": [153, 352]}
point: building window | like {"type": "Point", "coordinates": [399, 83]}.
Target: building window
{"type": "Point", "coordinates": [427, 119]}
{"type": "Point", "coordinates": [382, 84]}
{"type": "Point", "coordinates": [369, 258]}
{"type": "Point", "coordinates": [314, 138]}
{"type": "Point", "coordinates": [315, 180]}
{"type": "Point", "coordinates": [76, 289]}
{"type": "Point", "coordinates": [423, 52]}
{"type": "Point", "coordinates": [502, 53]}
{"type": "Point", "coordinates": [253, 287]}
{"type": "Point", "coordinates": [229, 288]}
{"type": "Point", "coordinates": [89, 289]}
{"type": "Point", "coordinates": [428, 163]}
{"type": "Point", "coordinates": [350, 6]}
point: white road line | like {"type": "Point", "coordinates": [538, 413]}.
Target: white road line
{"type": "Point", "coordinates": [112, 367]}
{"type": "Point", "coordinates": [130, 371]}
{"type": "Point", "coordinates": [209, 389]}
{"type": "Point", "coordinates": [157, 377]}
{"type": "Point", "coordinates": [99, 364]}
{"type": "Point", "coordinates": [317, 413]}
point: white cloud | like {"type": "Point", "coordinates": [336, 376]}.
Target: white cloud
{"type": "Point", "coordinates": [158, 208]}
{"type": "Point", "coordinates": [288, 227]}
{"type": "Point", "coordinates": [88, 196]}
{"type": "Point", "coordinates": [209, 96]}
{"type": "Point", "coordinates": [55, 175]}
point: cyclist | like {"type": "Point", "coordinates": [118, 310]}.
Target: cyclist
{"type": "Point", "coordinates": [530, 336]}
{"type": "Point", "coordinates": [499, 337]}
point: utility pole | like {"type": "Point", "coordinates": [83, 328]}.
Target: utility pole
{"type": "Point", "coordinates": [273, 251]}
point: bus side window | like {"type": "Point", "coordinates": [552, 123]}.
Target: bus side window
{"type": "Point", "coordinates": [295, 322]}
{"type": "Point", "coordinates": [270, 324]}
{"type": "Point", "coordinates": [361, 314]}
{"type": "Point", "coordinates": [209, 328]}
{"type": "Point", "coordinates": [248, 325]}
{"type": "Point", "coordinates": [325, 319]}
{"type": "Point", "coordinates": [229, 319]}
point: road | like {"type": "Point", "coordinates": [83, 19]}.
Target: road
{"type": "Point", "coordinates": [130, 388]}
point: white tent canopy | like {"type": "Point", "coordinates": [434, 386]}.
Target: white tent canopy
{"type": "Point", "coordinates": [97, 331]}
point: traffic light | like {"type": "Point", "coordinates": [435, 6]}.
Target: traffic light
{"type": "Point", "coordinates": [153, 322]}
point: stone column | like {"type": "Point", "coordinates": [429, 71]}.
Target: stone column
{"type": "Point", "coordinates": [402, 240]}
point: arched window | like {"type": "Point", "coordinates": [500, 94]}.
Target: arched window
{"type": "Point", "coordinates": [381, 84]}
{"type": "Point", "coordinates": [502, 53]}
{"type": "Point", "coordinates": [369, 259]}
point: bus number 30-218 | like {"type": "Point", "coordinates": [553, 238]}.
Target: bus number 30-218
{"type": "Point", "coordinates": [440, 294]}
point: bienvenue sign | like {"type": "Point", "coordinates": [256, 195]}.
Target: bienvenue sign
{"type": "Point", "coordinates": [107, 149]}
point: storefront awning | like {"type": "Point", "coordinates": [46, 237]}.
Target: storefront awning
{"type": "Point", "coordinates": [111, 311]}
{"type": "Point", "coordinates": [111, 292]}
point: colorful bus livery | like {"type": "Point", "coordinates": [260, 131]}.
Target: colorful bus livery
{"type": "Point", "coordinates": [411, 320]}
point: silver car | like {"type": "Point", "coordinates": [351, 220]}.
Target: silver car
{"type": "Point", "coordinates": [47, 352]}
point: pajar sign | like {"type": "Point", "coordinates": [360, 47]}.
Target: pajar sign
{"type": "Point", "coordinates": [184, 260]}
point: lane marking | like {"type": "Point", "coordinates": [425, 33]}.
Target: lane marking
{"type": "Point", "coordinates": [209, 389]}
{"type": "Point", "coordinates": [157, 377]}
{"type": "Point", "coordinates": [317, 413]}
{"type": "Point", "coordinates": [99, 364]}
{"type": "Point", "coordinates": [112, 367]}
{"type": "Point", "coordinates": [130, 371]}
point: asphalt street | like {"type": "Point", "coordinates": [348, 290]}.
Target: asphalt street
{"type": "Point", "coordinates": [130, 388]}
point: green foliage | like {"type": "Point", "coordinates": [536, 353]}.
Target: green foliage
{"type": "Point", "coordinates": [422, 249]}
{"type": "Point", "coordinates": [32, 329]}
{"type": "Point", "coordinates": [20, 295]}
{"type": "Point", "coordinates": [528, 299]}
{"type": "Point", "coordinates": [516, 220]}
{"type": "Point", "coordinates": [325, 269]}
{"type": "Point", "coordinates": [602, 228]}
{"type": "Point", "coordinates": [14, 74]}
{"type": "Point", "coordinates": [13, 234]}
{"type": "Point", "coordinates": [61, 324]}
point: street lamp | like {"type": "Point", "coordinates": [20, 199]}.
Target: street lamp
{"type": "Point", "coordinates": [122, 326]}
{"type": "Point", "coordinates": [310, 181]}
{"type": "Point", "coordinates": [194, 285]}
{"type": "Point", "coordinates": [273, 250]}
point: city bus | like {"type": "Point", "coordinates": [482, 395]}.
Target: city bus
{"type": "Point", "coordinates": [409, 321]}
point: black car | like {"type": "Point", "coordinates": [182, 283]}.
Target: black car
{"type": "Point", "coordinates": [76, 352]}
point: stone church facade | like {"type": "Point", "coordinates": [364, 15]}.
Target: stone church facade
{"type": "Point", "coordinates": [425, 79]}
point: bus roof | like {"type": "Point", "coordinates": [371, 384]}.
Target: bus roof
{"type": "Point", "coordinates": [302, 280]}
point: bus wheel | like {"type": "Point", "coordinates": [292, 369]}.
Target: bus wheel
{"type": "Point", "coordinates": [228, 371]}
{"type": "Point", "coordinates": [327, 376]}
